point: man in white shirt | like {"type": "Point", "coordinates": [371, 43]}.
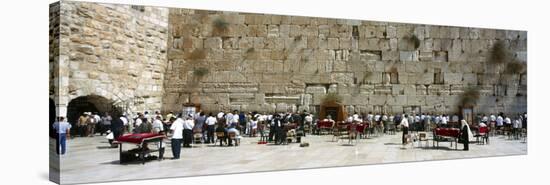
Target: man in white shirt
{"type": "Point", "coordinates": [228, 119]}
{"type": "Point", "coordinates": [370, 118]}
{"type": "Point", "coordinates": [188, 125]}
{"type": "Point", "coordinates": [444, 120]}
{"type": "Point", "coordinates": [405, 124]}
{"type": "Point", "coordinates": [124, 122]}
{"type": "Point", "coordinates": [63, 130]}
{"type": "Point", "coordinates": [508, 121]}
{"type": "Point", "coordinates": [210, 128]}
{"type": "Point", "coordinates": [235, 120]}
{"type": "Point", "coordinates": [177, 135]}
{"type": "Point", "coordinates": [139, 120]}
{"type": "Point", "coordinates": [516, 126]}
{"type": "Point", "coordinates": [157, 125]}
{"type": "Point", "coordinates": [500, 122]}
{"type": "Point", "coordinates": [309, 121]}
{"type": "Point", "coordinates": [485, 119]}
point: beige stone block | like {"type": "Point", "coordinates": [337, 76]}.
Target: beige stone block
{"type": "Point", "coordinates": [333, 43]}
{"type": "Point", "coordinates": [213, 42]}
{"type": "Point", "coordinates": [377, 99]}
{"type": "Point", "coordinates": [452, 78]}
{"type": "Point", "coordinates": [368, 44]}
{"type": "Point", "coordinates": [366, 89]}
{"type": "Point", "coordinates": [390, 55]}
{"type": "Point", "coordinates": [345, 43]}
{"type": "Point", "coordinates": [416, 100]}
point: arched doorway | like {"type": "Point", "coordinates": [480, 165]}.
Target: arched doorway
{"type": "Point", "coordinates": [52, 118]}
{"type": "Point", "coordinates": [90, 103]}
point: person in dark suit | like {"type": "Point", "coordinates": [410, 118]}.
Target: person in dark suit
{"type": "Point", "coordinates": [279, 129]}
{"type": "Point", "coordinates": [117, 127]}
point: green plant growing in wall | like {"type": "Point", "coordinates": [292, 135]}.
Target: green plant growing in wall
{"type": "Point", "coordinates": [514, 68]}
{"type": "Point", "coordinates": [200, 72]}
{"type": "Point", "coordinates": [415, 41]}
{"type": "Point", "coordinates": [332, 98]}
{"type": "Point", "coordinates": [298, 38]}
{"type": "Point", "coordinates": [470, 96]}
{"type": "Point", "coordinates": [220, 25]}
{"type": "Point", "coordinates": [499, 54]}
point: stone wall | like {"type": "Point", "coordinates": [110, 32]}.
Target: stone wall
{"type": "Point", "coordinates": [113, 51]}
{"type": "Point", "coordinates": [150, 58]}
{"type": "Point", "coordinates": [54, 18]}
{"type": "Point", "coordinates": [279, 63]}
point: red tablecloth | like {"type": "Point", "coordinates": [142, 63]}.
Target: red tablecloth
{"type": "Point", "coordinates": [449, 132]}
{"type": "Point", "coordinates": [359, 127]}
{"type": "Point", "coordinates": [483, 130]}
{"type": "Point", "coordinates": [138, 138]}
{"type": "Point", "coordinates": [324, 124]}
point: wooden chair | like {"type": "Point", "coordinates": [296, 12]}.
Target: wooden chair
{"type": "Point", "coordinates": [233, 137]}
{"type": "Point", "coordinates": [197, 136]}
{"type": "Point", "coordinates": [483, 133]}
{"type": "Point", "coordinates": [220, 136]}
{"type": "Point", "coordinates": [352, 134]}
{"type": "Point", "coordinates": [423, 136]}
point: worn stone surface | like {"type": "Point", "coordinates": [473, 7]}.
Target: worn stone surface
{"type": "Point", "coordinates": [280, 62]}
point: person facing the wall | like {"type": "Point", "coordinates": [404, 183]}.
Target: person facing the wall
{"type": "Point", "coordinates": [177, 134]}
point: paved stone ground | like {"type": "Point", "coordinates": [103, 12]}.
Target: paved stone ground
{"type": "Point", "coordinates": [89, 159]}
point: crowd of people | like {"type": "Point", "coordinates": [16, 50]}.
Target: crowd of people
{"type": "Point", "coordinates": [183, 128]}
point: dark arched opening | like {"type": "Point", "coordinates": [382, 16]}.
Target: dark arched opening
{"type": "Point", "coordinates": [52, 118]}
{"type": "Point", "coordinates": [91, 103]}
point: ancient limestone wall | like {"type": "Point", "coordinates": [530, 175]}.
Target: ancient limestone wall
{"type": "Point", "coordinates": [54, 52]}
{"type": "Point", "coordinates": [113, 51]}
{"type": "Point", "coordinates": [279, 63]}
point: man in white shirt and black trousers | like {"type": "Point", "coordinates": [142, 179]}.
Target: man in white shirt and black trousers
{"type": "Point", "coordinates": [405, 124]}
{"type": "Point", "coordinates": [188, 125]}
{"type": "Point", "coordinates": [177, 134]}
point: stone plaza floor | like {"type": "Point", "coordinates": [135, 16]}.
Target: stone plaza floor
{"type": "Point", "coordinates": [91, 160]}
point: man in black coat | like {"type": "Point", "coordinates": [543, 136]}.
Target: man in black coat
{"type": "Point", "coordinates": [278, 126]}
{"type": "Point", "coordinates": [117, 126]}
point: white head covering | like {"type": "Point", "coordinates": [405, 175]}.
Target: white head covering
{"type": "Point", "coordinates": [470, 135]}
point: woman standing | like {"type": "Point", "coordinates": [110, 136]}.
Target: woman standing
{"type": "Point", "coordinates": [465, 134]}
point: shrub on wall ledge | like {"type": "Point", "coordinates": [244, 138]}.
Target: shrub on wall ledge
{"type": "Point", "coordinates": [499, 54]}
{"type": "Point", "coordinates": [332, 98]}
{"type": "Point", "coordinates": [200, 72]}
{"type": "Point", "coordinates": [416, 41]}
{"type": "Point", "coordinates": [220, 25]}
{"type": "Point", "coordinates": [514, 68]}
{"type": "Point", "coordinates": [470, 96]}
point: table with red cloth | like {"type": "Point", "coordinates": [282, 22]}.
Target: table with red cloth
{"type": "Point", "coordinates": [141, 140]}
{"type": "Point", "coordinates": [360, 128]}
{"type": "Point", "coordinates": [446, 134]}
{"type": "Point", "coordinates": [324, 126]}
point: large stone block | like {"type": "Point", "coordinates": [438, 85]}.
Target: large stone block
{"type": "Point", "coordinates": [368, 44]}
{"type": "Point", "coordinates": [396, 100]}
{"type": "Point", "coordinates": [408, 56]}
{"type": "Point", "coordinates": [416, 100]}
{"type": "Point", "coordinates": [452, 78]}
{"type": "Point", "coordinates": [333, 43]}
